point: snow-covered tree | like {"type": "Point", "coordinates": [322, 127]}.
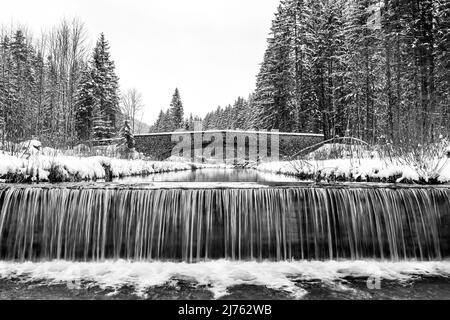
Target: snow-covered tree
{"type": "Point", "coordinates": [127, 134]}
{"type": "Point", "coordinates": [275, 82]}
{"type": "Point", "coordinates": [85, 102]}
{"type": "Point", "coordinates": [176, 111]}
{"type": "Point", "coordinates": [97, 99]}
{"type": "Point", "coordinates": [106, 84]}
{"type": "Point", "coordinates": [101, 125]}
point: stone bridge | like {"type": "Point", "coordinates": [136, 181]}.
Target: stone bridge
{"type": "Point", "coordinates": [160, 146]}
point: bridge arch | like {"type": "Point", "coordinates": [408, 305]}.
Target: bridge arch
{"type": "Point", "coordinates": [159, 146]}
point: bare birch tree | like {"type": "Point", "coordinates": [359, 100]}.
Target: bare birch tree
{"type": "Point", "coordinates": [132, 106]}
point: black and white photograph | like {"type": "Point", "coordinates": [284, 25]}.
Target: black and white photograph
{"type": "Point", "coordinates": [224, 150]}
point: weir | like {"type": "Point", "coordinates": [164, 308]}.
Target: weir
{"type": "Point", "coordinates": [276, 223]}
{"type": "Point", "coordinates": [196, 224]}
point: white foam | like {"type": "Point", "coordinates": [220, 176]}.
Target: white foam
{"type": "Point", "coordinates": [218, 276]}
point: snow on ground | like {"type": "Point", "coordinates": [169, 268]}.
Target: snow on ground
{"type": "Point", "coordinates": [82, 168]}
{"type": "Point", "coordinates": [337, 150]}
{"type": "Point", "coordinates": [364, 169]}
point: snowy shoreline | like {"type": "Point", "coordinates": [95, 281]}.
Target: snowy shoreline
{"type": "Point", "coordinates": [41, 168]}
{"type": "Point", "coordinates": [77, 169]}
{"type": "Point", "coordinates": [359, 170]}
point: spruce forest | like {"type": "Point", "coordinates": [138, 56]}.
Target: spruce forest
{"type": "Point", "coordinates": [55, 90]}
{"type": "Point", "coordinates": [374, 70]}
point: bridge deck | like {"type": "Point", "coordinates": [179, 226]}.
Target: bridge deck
{"type": "Point", "coordinates": [296, 134]}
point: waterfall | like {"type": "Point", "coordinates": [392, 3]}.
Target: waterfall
{"type": "Point", "coordinates": [196, 224]}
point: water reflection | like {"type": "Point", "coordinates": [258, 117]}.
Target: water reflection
{"type": "Point", "coordinates": [212, 175]}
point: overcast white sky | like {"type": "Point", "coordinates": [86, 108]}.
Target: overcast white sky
{"type": "Point", "coordinates": [209, 49]}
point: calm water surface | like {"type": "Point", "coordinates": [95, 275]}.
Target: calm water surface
{"type": "Point", "coordinates": [212, 175]}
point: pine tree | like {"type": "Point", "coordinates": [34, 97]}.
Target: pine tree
{"type": "Point", "coordinates": [97, 99]}
{"type": "Point", "coordinates": [101, 126]}
{"type": "Point", "coordinates": [8, 92]}
{"type": "Point", "coordinates": [176, 112]}
{"type": "Point", "coordinates": [167, 123]}
{"type": "Point", "coordinates": [189, 123]}
{"type": "Point", "coordinates": [41, 83]}
{"type": "Point", "coordinates": [240, 113]}
{"type": "Point", "coordinates": [106, 85]}
{"type": "Point", "coordinates": [158, 124]}
{"type": "Point", "coordinates": [328, 68]}
{"type": "Point", "coordinates": [127, 135]}
{"type": "Point", "coordinates": [275, 82]}
{"type": "Point", "coordinates": [207, 122]}
{"type": "Point", "coordinates": [24, 82]}
{"type": "Point", "coordinates": [84, 104]}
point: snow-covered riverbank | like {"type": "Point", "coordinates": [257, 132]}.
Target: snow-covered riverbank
{"type": "Point", "coordinates": [66, 168]}
{"type": "Point", "coordinates": [364, 169]}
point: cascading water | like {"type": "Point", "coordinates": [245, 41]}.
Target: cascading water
{"type": "Point", "coordinates": [89, 223]}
